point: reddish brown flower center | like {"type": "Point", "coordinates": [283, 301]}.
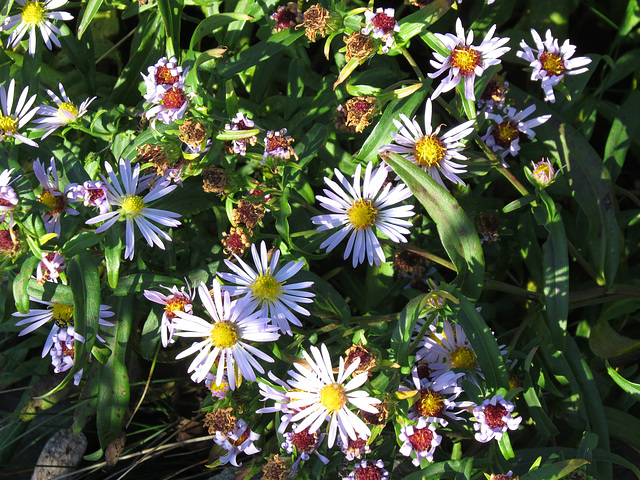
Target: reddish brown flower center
{"type": "Point", "coordinates": [235, 243]}
{"type": "Point", "coordinates": [430, 403]}
{"type": "Point", "coordinates": [494, 414]}
{"type": "Point", "coordinates": [360, 107]}
{"type": "Point", "coordinates": [174, 98]}
{"type": "Point", "coordinates": [285, 18]}
{"type": "Point", "coordinates": [384, 22]}
{"type": "Point", "coordinates": [176, 304]}
{"type": "Point", "coordinates": [5, 203]}
{"type": "Point", "coordinates": [95, 194]}
{"type": "Point", "coordinates": [552, 63]}
{"type": "Point", "coordinates": [276, 142]}
{"type": "Point", "coordinates": [68, 351]}
{"type": "Point", "coordinates": [466, 59]}
{"type": "Point", "coordinates": [6, 242]}
{"type": "Point", "coordinates": [370, 472]}
{"type": "Point", "coordinates": [242, 437]}
{"type": "Point", "coordinates": [421, 439]}
{"type": "Point", "coordinates": [304, 441]}
{"type": "Point", "coordinates": [163, 76]}
{"type": "Point", "coordinates": [505, 133]}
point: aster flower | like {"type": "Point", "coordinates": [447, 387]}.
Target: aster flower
{"type": "Point", "coordinates": [217, 391]}
{"type": "Point", "coordinates": [177, 300]}
{"type": "Point", "coordinates": [91, 193]}
{"type": "Point", "coordinates": [368, 469]}
{"type": "Point", "coordinates": [63, 352]}
{"type": "Point", "coordinates": [35, 14]}
{"type": "Point", "coordinates": [170, 105]}
{"type": "Point", "coordinates": [543, 173]}
{"type": "Point", "coordinates": [303, 443]}
{"type": "Point", "coordinates": [357, 209]}
{"type": "Point", "coordinates": [319, 395]}
{"type": "Point", "coordinates": [225, 339]}
{"type": "Point", "coordinates": [354, 448]}
{"type": "Point", "coordinates": [8, 197]}
{"type": "Point", "coordinates": [465, 61]}
{"type": "Point", "coordinates": [494, 419]}
{"type": "Point", "coordinates": [433, 153]}
{"type": "Point", "coordinates": [419, 440]}
{"type": "Point", "coordinates": [239, 440]}
{"type": "Point", "coordinates": [551, 62]}
{"type": "Point", "coordinates": [504, 134]}
{"type": "Point", "coordinates": [65, 113]}
{"type": "Point", "coordinates": [382, 24]}
{"type": "Point", "coordinates": [10, 124]}
{"type": "Point", "coordinates": [133, 207]}
{"type": "Point", "coordinates": [241, 122]}
{"type": "Point", "coordinates": [51, 196]}
{"type": "Point", "coordinates": [62, 317]}
{"type": "Point", "coordinates": [267, 286]}
{"type": "Point", "coordinates": [162, 76]}
{"type": "Point", "coordinates": [277, 145]}
{"type": "Point", "coordinates": [50, 267]}
{"type": "Point", "coordinates": [282, 400]}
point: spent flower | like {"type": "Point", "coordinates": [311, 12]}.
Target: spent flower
{"type": "Point", "coordinates": [51, 196]}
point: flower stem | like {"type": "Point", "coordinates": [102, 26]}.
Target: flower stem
{"type": "Point", "coordinates": [412, 63]}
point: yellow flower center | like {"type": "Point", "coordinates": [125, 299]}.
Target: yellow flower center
{"type": "Point", "coordinates": [430, 403]}
{"type": "Point", "coordinates": [62, 314]}
{"type": "Point", "coordinates": [132, 206]}
{"type": "Point", "coordinates": [55, 202]}
{"type": "Point", "coordinates": [175, 304]}
{"type": "Point", "coordinates": [33, 12]}
{"type": "Point", "coordinates": [67, 107]}
{"type": "Point", "coordinates": [266, 287]}
{"type": "Point", "coordinates": [8, 125]}
{"type": "Point", "coordinates": [463, 357]}
{"type": "Point", "coordinates": [333, 397]}
{"type": "Point", "coordinates": [505, 133]}
{"type": "Point", "coordinates": [224, 335]}
{"type": "Point", "coordinates": [466, 59]}
{"type": "Point", "coordinates": [552, 63]}
{"type": "Point", "coordinates": [429, 151]}
{"type": "Point", "coordinates": [362, 214]}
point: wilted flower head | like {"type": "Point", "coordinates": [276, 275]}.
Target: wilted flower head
{"type": "Point", "coordinates": [235, 242]}
{"type": "Point", "coordinates": [277, 144]}
{"type": "Point", "coordinates": [354, 447]}
{"type": "Point", "coordinates": [9, 243]}
{"type": "Point", "coordinates": [51, 196]}
{"type": "Point", "coordinates": [194, 135]}
{"type": "Point", "coordinates": [383, 26]}
{"type": "Point", "coordinates": [315, 21]}
{"type": "Point", "coordinates": [551, 62]}
{"type": "Point", "coordinates": [248, 212]}
{"type": "Point", "coordinates": [214, 180]}
{"type": "Point", "coordinates": [359, 46]}
{"type": "Point", "coordinates": [360, 111]}
{"type": "Point", "coordinates": [286, 17]}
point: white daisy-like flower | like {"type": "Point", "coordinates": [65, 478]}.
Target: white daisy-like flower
{"type": "Point", "coordinates": [504, 134]}
{"type": "Point", "coordinates": [241, 122]}
{"type": "Point", "coordinates": [62, 317]}
{"type": "Point", "coordinates": [281, 398]}
{"type": "Point", "coordinates": [382, 24]}
{"type": "Point", "coordinates": [10, 124]}
{"type": "Point", "coordinates": [91, 193]}
{"type": "Point", "coordinates": [8, 197]}
{"type": "Point", "coordinates": [368, 469]}
{"type": "Point", "coordinates": [178, 300]}
{"type": "Point", "coordinates": [433, 153]}
{"type": "Point", "coordinates": [494, 419]}
{"type": "Point", "coordinates": [419, 440]}
{"type": "Point", "coordinates": [52, 196]}
{"type": "Point", "coordinates": [302, 443]}
{"type": "Point", "coordinates": [133, 207]}
{"type": "Point", "coordinates": [551, 62]}
{"type": "Point", "coordinates": [170, 105]}
{"type": "Point", "coordinates": [357, 209]}
{"type": "Point", "coordinates": [64, 114]}
{"type": "Point", "coordinates": [240, 440]}
{"type": "Point", "coordinates": [465, 61]}
{"type": "Point", "coordinates": [225, 339]}
{"type": "Point", "coordinates": [319, 395]}
{"type": "Point", "coordinates": [50, 267]}
{"type": "Point", "coordinates": [34, 15]}
{"type": "Point", "coordinates": [162, 76]}
{"type": "Point", "coordinates": [267, 286]}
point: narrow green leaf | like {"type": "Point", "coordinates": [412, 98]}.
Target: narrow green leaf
{"type": "Point", "coordinates": [21, 283]}
{"type": "Point", "coordinates": [327, 302]}
{"type": "Point", "coordinates": [113, 254]}
{"type": "Point", "coordinates": [623, 383]}
{"type": "Point", "coordinates": [505, 446]}
{"type": "Point", "coordinates": [213, 23]}
{"type": "Point", "coordinates": [414, 23]}
{"type": "Point", "coordinates": [457, 233]}
{"type": "Point", "coordinates": [623, 131]}
{"type": "Point", "coordinates": [80, 243]}
{"type": "Point", "coordinates": [543, 424]}
{"type": "Point", "coordinates": [623, 426]}
{"type": "Point", "coordinates": [605, 342]}
{"type": "Point", "coordinates": [282, 215]}
{"type": "Point", "coordinates": [171, 12]}
{"type": "Point", "coordinates": [89, 11]}
{"type": "Point", "coordinates": [401, 337]}
{"type": "Point", "coordinates": [555, 471]}
{"type": "Point", "coordinates": [600, 455]}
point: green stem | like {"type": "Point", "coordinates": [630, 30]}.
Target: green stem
{"type": "Point", "coordinates": [583, 263]}
{"type": "Point", "coordinates": [498, 286]}
{"type": "Point", "coordinates": [513, 180]}
{"type": "Point", "coordinates": [430, 256]}
{"type": "Point", "coordinates": [412, 63]}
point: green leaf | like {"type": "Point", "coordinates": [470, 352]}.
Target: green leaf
{"type": "Point", "coordinates": [21, 283]}
{"type": "Point", "coordinates": [623, 426]}
{"type": "Point", "coordinates": [623, 383]}
{"type": "Point", "coordinates": [113, 398]}
{"type": "Point", "coordinates": [112, 254]}
{"type": "Point", "coordinates": [413, 24]}
{"type": "Point", "coordinates": [457, 232]}
{"type": "Point", "coordinates": [213, 23]}
{"type": "Point", "coordinates": [171, 12]}
{"type": "Point", "coordinates": [623, 131]}
{"type": "Point", "coordinates": [327, 302]}
{"type": "Point", "coordinates": [90, 9]}
{"type": "Point", "coordinates": [80, 243]}
{"type": "Point", "coordinates": [401, 337]}
{"type": "Point", "coordinates": [50, 292]}
{"type": "Point", "coordinates": [605, 342]}
{"type": "Point", "coordinates": [505, 446]}
{"type": "Point", "coordinates": [555, 471]}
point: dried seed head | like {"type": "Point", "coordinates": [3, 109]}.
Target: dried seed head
{"type": "Point", "coordinates": [315, 21]}
{"type": "Point", "coordinates": [236, 241]}
{"type": "Point", "coordinates": [192, 133]}
{"type": "Point", "coordinates": [248, 213]}
{"type": "Point", "coordinates": [214, 180]}
{"type": "Point", "coordinates": [488, 226]}
{"type": "Point", "coordinates": [368, 360]}
{"type": "Point", "coordinates": [359, 46]}
{"type": "Point", "coordinates": [275, 469]}
{"type": "Point", "coordinates": [220, 420]}
{"type": "Point", "coordinates": [360, 111]}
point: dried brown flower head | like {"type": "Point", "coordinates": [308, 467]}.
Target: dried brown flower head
{"type": "Point", "coordinates": [286, 17]}
{"type": "Point", "coordinates": [488, 226]}
{"type": "Point", "coordinates": [368, 360]}
{"type": "Point", "coordinates": [377, 419]}
{"type": "Point", "coordinates": [406, 262]}
{"type": "Point", "coordinates": [167, 159]}
{"type": "Point", "coordinates": [220, 420]}
{"type": "Point", "coordinates": [192, 133]}
{"type": "Point", "coordinates": [359, 46]}
{"type": "Point", "coordinates": [502, 477]}
{"type": "Point", "coordinates": [214, 180]}
{"type": "Point", "coordinates": [9, 243]}
{"type": "Point", "coordinates": [360, 111]}
{"type": "Point", "coordinates": [340, 120]}
{"type": "Point", "coordinates": [248, 213]}
{"type": "Point", "coordinates": [277, 144]}
{"type": "Point", "coordinates": [315, 21]}
{"type": "Point", "coordinates": [275, 469]}
{"type": "Point", "coordinates": [496, 89]}
{"type": "Point", "coordinates": [235, 241]}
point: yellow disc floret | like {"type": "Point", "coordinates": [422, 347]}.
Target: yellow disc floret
{"type": "Point", "coordinates": [132, 206]}
{"type": "Point", "coordinates": [266, 288]}
{"type": "Point", "coordinates": [362, 214]}
{"type": "Point", "coordinates": [429, 151]}
{"type": "Point", "coordinates": [224, 335]}
{"type": "Point", "coordinates": [430, 403]}
{"type": "Point", "coordinates": [333, 397]}
{"type": "Point", "coordinates": [505, 133]}
{"type": "Point", "coordinates": [8, 125]}
{"type": "Point", "coordinates": [463, 357]}
{"type": "Point", "coordinates": [62, 315]}
{"type": "Point", "coordinates": [55, 202]}
{"type": "Point", "coordinates": [466, 59]}
{"type": "Point", "coordinates": [552, 63]}
{"type": "Point", "coordinates": [33, 12]}
{"type": "Point", "coordinates": [67, 112]}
